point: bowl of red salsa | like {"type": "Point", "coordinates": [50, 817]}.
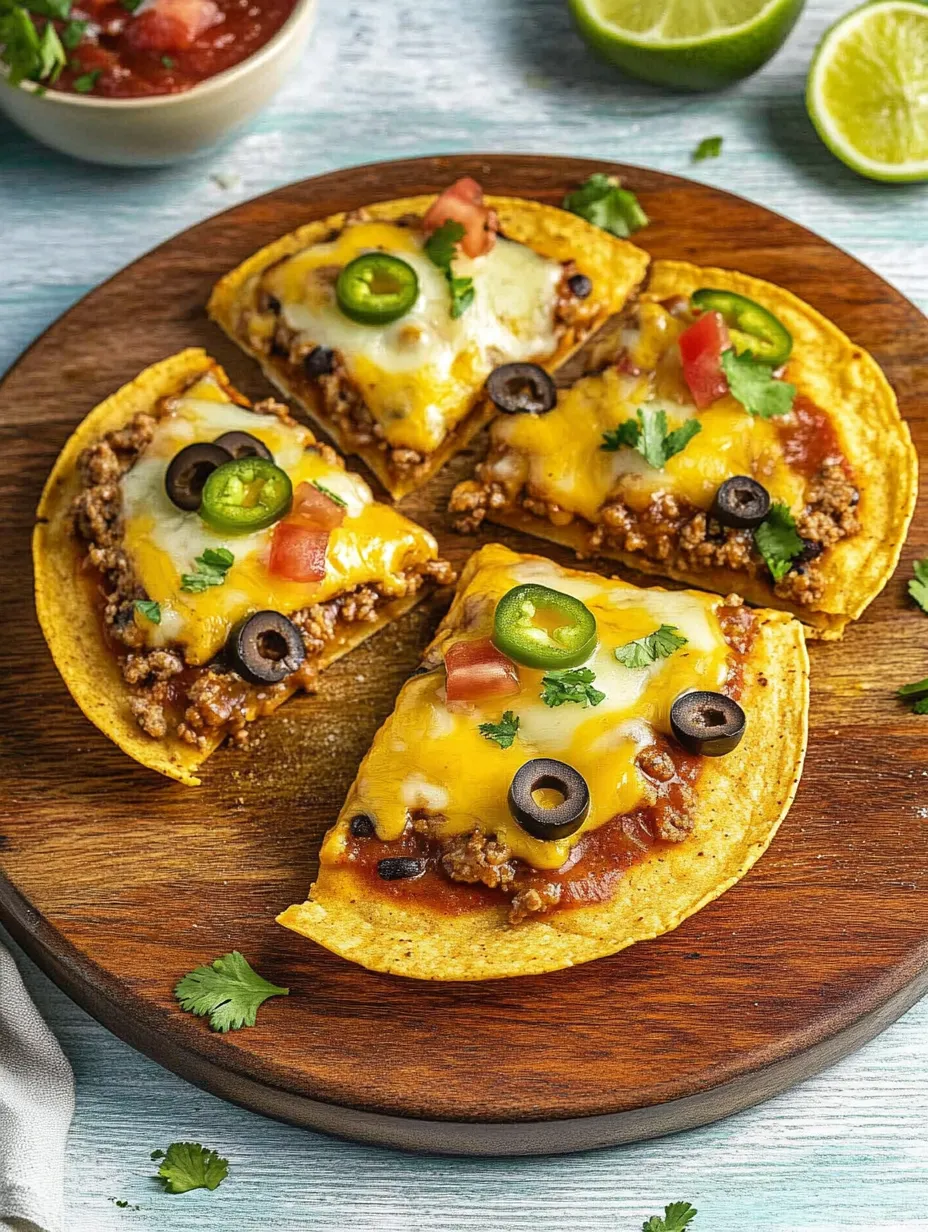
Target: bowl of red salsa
{"type": "Point", "coordinates": [144, 82]}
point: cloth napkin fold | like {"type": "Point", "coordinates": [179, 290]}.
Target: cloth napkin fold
{"type": "Point", "coordinates": [36, 1106]}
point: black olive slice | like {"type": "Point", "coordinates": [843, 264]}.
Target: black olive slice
{"type": "Point", "coordinates": [243, 445]}
{"type": "Point", "coordinates": [709, 724]}
{"type": "Point", "coordinates": [580, 285]}
{"type": "Point", "coordinates": [319, 362]}
{"type": "Point", "coordinates": [549, 823]}
{"type": "Point", "coordinates": [265, 648]}
{"type": "Point", "coordinates": [401, 868]}
{"type": "Point", "coordinates": [362, 826]}
{"type": "Point", "coordinates": [189, 470]}
{"type": "Point", "coordinates": [741, 502]}
{"type": "Point", "coordinates": [520, 388]}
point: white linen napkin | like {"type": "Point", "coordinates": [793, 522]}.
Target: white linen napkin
{"type": "Point", "coordinates": [36, 1106]}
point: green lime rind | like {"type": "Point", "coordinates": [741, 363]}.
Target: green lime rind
{"type": "Point", "coordinates": [827, 125]}
{"type": "Point", "coordinates": [710, 63]}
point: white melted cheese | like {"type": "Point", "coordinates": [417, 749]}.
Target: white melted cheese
{"type": "Point", "coordinates": [374, 543]}
{"type": "Point", "coordinates": [420, 375]}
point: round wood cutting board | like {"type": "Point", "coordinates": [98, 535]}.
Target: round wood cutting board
{"type": "Point", "coordinates": [117, 881]}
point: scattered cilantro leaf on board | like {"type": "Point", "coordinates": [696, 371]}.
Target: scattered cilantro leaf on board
{"type": "Point", "coordinates": [441, 248]}
{"type": "Point", "coordinates": [603, 201]}
{"type": "Point", "coordinates": [677, 1216]}
{"type": "Point", "coordinates": [211, 570]}
{"type": "Point", "coordinates": [648, 434]}
{"type": "Point", "coordinates": [187, 1165]}
{"type": "Point", "coordinates": [572, 684]}
{"type": "Point", "coordinates": [660, 644]}
{"type": "Point", "coordinates": [150, 609]}
{"type": "Point", "coordinates": [917, 692]}
{"type": "Point", "coordinates": [918, 587]}
{"type": "Point", "coordinates": [753, 385]}
{"type": "Point", "coordinates": [333, 496]}
{"type": "Point", "coordinates": [229, 991]}
{"type": "Point", "coordinates": [503, 732]}
{"type": "Point", "coordinates": [709, 147]}
{"type": "Point", "coordinates": [778, 541]}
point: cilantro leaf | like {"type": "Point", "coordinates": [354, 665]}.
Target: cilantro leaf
{"type": "Point", "coordinates": [72, 34]}
{"type": "Point", "coordinates": [676, 1217]}
{"type": "Point", "coordinates": [709, 147]}
{"type": "Point", "coordinates": [187, 1165]}
{"type": "Point", "coordinates": [167, 62]}
{"type": "Point", "coordinates": [572, 684]}
{"type": "Point", "coordinates": [58, 10]}
{"type": "Point", "coordinates": [52, 58]}
{"type": "Point", "coordinates": [19, 40]}
{"type": "Point", "coordinates": [660, 644]}
{"type": "Point", "coordinates": [149, 609]}
{"type": "Point", "coordinates": [230, 991]}
{"type": "Point", "coordinates": [753, 385]}
{"type": "Point", "coordinates": [917, 689]}
{"type": "Point", "coordinates": [130, 5]}
{"type": "Point", "coordinates": [778, 541]}
{"type": "Point", "coordinates": [441, 248]}
{"type": "Point", "coordinates": [333, 496]}
{"type": "Point", "coordinates": [212, 568]}
{"type": "Point", "coordinates": [86, 82]}
{"type": "Point", "coordinates": [648, 434]}
{"type": "Point", "coordinates": [918, 587]}
{"type": "Point", "coordinates": [921, 706]}
{"type": "Point", "coordinates": [603, 201]}
{"type": "Point", "coordinates": [503, 732]}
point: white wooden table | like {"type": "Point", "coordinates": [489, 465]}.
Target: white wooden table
{"type": "Point", "coordinates": [390, 78]}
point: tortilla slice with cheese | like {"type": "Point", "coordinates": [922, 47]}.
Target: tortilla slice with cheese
{"type": "Point", "coordinates": [511, 818]}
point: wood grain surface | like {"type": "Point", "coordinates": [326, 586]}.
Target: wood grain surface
{"type": "Point", "coordinates": [118, 882]}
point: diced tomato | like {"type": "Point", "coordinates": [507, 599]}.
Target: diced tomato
{"type": "Point", "coordinates": [298, 551]}
{"type": "Point", "coordinates": [171, 25]}
{"type": "Point", "coordinates": [315, 509]}
{"type": "Point", "coordinates": [463, 203]}
{"type": "Point", "coordinates": [701, 348]}
{"type": "Point", "coordinates": [477, 670]}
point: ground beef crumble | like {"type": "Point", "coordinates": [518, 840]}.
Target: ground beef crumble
{"type": "Point", "coordinates": [168, 695]}
{"type": "Point", "coordinates": [671, 533]}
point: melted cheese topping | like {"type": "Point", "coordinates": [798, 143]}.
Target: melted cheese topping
{"type": "Point", "coordinates": [567, 466]}
{"type": "Point", "coordinates": [427, 756]}
{"type": "Point", "coordinates": [375, 543]}
{"type": "Point", "coordinates": [420, 375]}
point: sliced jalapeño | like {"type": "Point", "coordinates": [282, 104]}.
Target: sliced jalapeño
{"type": "Point", "coordinates": [544, 628]}
{"type": "Point", "coordinates": [375, 288]}
{"type": "Point", "coordinates": [245, 495]}
{"type": "Point", "coordinates": [751, 326]}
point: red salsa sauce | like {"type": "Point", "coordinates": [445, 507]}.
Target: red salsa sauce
{"type": "Point", "coordinates": [808, 438]}
{"type": "Point", "coordinates": [131, 50]}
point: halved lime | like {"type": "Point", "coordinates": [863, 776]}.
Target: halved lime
{"type": "Point", "coordinates": [868, 90]}
{"type": "Point", "coordinates": [687, 44]}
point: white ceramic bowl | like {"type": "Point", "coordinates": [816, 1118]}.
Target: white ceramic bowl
{"type": "Point", "coordinates": [149, 132]}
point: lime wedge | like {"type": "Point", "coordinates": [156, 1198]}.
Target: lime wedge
{"type": "Point", "coordinates": [687, 44]}
{"type": "Point", "coordinates": [868, 90]}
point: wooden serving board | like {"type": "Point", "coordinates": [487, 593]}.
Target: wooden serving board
{"type": "Point", "coordinates": [117, 881]}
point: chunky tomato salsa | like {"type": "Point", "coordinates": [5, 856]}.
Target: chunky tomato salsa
{"type": "Point", "coordinates": [137, 48]}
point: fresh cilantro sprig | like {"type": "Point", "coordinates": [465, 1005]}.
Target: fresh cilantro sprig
{"type": "Point", "coordinates": [571, 684]}
{"type": "Point", "coordinates": [660, 644]}
{"type": "Point", "coordinates": [187, 1165]}
{"type": "Point", "coordinates": [603, 201]}
{"type": "Point", "coordinates": [709, 147]}
{"type": "Point", "coordinates": [441, 248]}
{"type": "Point", "coordinates": [503, 732]}
{"type": "Point", "coordinates": [918, 586]}
{"type": "Point", "coordinates": [150, 609]}
{"type": "Point", "coordinates": [917, 693]}
{"type": "Point", "coordinates": [778, 540]}
{"type": "Point", "coordinates": [211, 570]}
{"type": "Point", "coordinates": [648, 434]}
{"type": "Point", "coordinates": [28, 53]}
{"type": "Point", "coordinates": [229, 991]}
{"type": "Point", "coordinates": [333, 496]}
{"type": "Point", "coordinates": [676, 1217]}
{"type": "Point", "coordinates": [752, 384]}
